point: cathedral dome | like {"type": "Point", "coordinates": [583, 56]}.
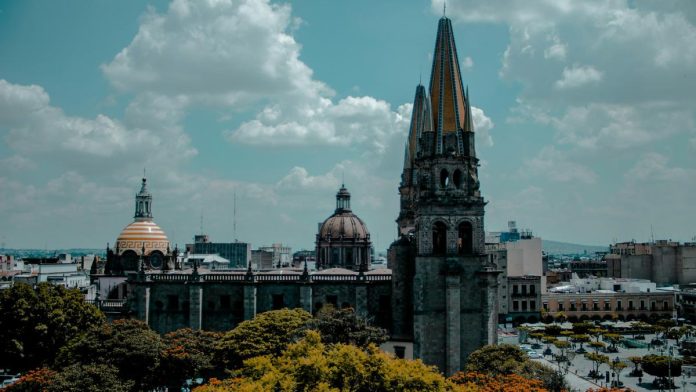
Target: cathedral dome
{"type": "Point", "coordinates": [142, 233]}
{"type": "Point", "coordinates": [346, 225]}
{"type": "Point", "coordinates": [343, 223]}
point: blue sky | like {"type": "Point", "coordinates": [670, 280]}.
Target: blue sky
{"type": "Point", "coordinates": [584, 115]}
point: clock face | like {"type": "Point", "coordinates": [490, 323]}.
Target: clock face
{"type": "Point", "coordinates": [156, 260]}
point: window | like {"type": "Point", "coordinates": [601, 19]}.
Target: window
{"type": "Point", "coordinates": [532, 305]}
{"type": "Point", "coordinates": [665, 305]}
{"type": "Point", "coordinates": [595, 306]}
{"type": "Point", "coordinates": [439, 238]}
{"type": "Point", "coordinates": [532, 289]}
{"type": "Point", "coordinates": [514, 289]}
{"type": "Point", "coordinates": [465, 241]}
{"type": "Point", "coordinates": [606, 305]}
{"type": "Point", "coordinates": [584, 307]}
{"type": "Point", "coordinates": [630, 305]}
{"type": "Point", "coordinates": [457, 178]}
{"type": "Point", "coordinates": [172, 302]}
{"type": "Point", "coordinates": [618, 305]}
{"type": "Point", "coordinates": [515, 305]}
{"type": "Point", "coordinates": [546, 306]}
{"type": "Point", "coordinates": [444, 178]}
{"type": "Point", "coordinates": [278, 301]}
{"type": "Point", "coordinates": [400, 352]}
{"type": "Point", "coordinates": [560, 306]}
{"type": "Point", "coordinates": [524, 305]}
{"type": "Point", "coordinates": [524, 289]}
{"type": "Point", "coordinates": [653, 305]}
{"type": "Point", "coordinates": [642, 304]}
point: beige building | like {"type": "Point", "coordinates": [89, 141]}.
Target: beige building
{"type": "Point", "coordinates": [601, 305]}
{"type": "Point", "coordinates": [663, 262]}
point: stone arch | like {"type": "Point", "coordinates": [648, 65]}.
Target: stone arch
{"type": "Point", "coordinates": [584, 317]}
{"type": "Point", "coordinates": [519, 320]}
{"type": "Point", "coordinates": [457, 178]}
{"type": "Point", "coordinates": [532, 319]}
{"type": "Point", "coordinates": [439, 238]}
{"type": "Point", "coordinates": [597, 317]}
{"type": "Point", "coordinates": [573, 319]}
{"type": "Point", "coordinates": [607, 317]}
{"type": "Point", "coordinates": [631, 317]}
{"type": "Point", "coordinates": [444, 178]}
{"type": "Point", "coordinates": [129, 260]}
{"type": "Point", "coordinates": [465, 238]}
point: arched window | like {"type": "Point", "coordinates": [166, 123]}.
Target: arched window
{"type": "Point", "coordinates": [457, 178]}
{"type": "Point", "coordinates": [439, 238]}
{"type": "Point", "coordinates": [444, 178]}
{"type": "Point", "coordinates": [465, 241]}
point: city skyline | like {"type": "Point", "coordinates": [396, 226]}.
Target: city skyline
{"type": "Point", "coordinates": [280, 103]}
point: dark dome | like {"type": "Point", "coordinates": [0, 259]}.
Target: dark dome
{"type": "Point", "coordinates": [344, 224]}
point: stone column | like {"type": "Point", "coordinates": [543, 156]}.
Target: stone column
{"type": "Point", "coordinates": [143, 305]}
{"type": "Point", "coordinates": [361, 299]}
{"type": "Point", "coordinates": [453, 310]}
{"type": "Point", "coordinates": [306, 297]}
{"type": "Point", "coordinates": [195, 306]}
{"type": "Point", "coordinates": [249, 301]}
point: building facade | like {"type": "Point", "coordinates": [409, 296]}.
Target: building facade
{"type": "Point", "coordinates": [238, 253]}
{"type": "Point", "coordinates": [663, 262]}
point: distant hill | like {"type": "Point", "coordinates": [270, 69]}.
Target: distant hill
{"type": "Point", "coordinates": [566, 248]}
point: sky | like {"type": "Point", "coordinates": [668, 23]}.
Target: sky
{"type": "Point", "coordinates": [584, 113]}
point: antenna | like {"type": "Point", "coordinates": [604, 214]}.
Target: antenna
{"type": "Point", "coordinates": [234, 218]}
{"type": "Point", "coordinates": [201, 220]}
{"type": "Point", "coordinates": [343, 179]}
{"type": "Point", "coordinates": [652, 234]}
{"type": "Point", "coordinates": [444, 8]}
{"type": "Point", "coordinates": [144, 173]}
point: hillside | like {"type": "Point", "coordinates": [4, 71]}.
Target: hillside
{"type": "Point", "coordinates": [564, 248]}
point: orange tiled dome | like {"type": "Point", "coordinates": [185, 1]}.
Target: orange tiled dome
{"type": "Point", "coordinates": [140, 233]}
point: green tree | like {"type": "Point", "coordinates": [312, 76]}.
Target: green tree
{"type": "Point", "coordinates": [617, 367]}
{"type": "Point", "coordinates": [310, 365]}
{"type": "Point", "coordinates": [580, 339]}
{"type": "Point", "coordinates": [89, 378]}
{"type": "Point", "coordinates": [36, 323]}
{"type": "Point", "coordinates": [128, 345]}
{"type": "Point", "coordinates": [187, 354]}
{"type": "Point", "coordinates": [597, 361]}
{"type": "Point", "coordinates": [552, 330]}
{"type": "Point", "coordinates": [636, 360]}
{"type": "Point", "coordinates": [32, 381]}
{"type": "Point", "coordinates": [268, 333]}
{"type": "Point", "coordinates": [582, 328]}
{"type": "Point", "coordinates": [659, 366]}
{"type": "Point", "coordinates": [507, 359]}
{"type": "Point", "coordinates": [597, 346]}
{"type": "Point", "coordinates": [345, 326]}
{"type": "Point", "coordinates": [613, 339]}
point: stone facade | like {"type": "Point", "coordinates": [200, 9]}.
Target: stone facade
{"type": "Point", "coordinates": [663, 262]}
{"type": "Point", "coordinates": [220, 301]}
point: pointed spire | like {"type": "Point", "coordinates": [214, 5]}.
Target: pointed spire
{"type": "Point", "coordinates": [421, 122]}
{"type": "Point", "coordinates": [449, 105]}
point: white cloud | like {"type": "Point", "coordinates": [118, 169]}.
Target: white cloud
{"type": "Point", "coordinates": [654, 166]}
{"type": "Point", "coordinates": [577, 76]}
{"type": "Point", "coordinates": [299, 178]}
{"type": "Point", "coordinates": [555, 165]}
{"type": "Point", "coordinates": [467, 63]}
{"type": "Point", "coordinates": [482, 126]}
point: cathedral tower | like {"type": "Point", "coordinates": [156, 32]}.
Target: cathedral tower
{"type": "Point", "coordinates": [441, 253]}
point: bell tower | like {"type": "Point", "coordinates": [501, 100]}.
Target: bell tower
{"type": "Point", "coordinates": [440, 258]}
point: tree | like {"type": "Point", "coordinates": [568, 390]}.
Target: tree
{"type": "Point", "coordinates": [597, 361]}
{"type": "Point", "coordinates": [660, 365]}
{"type": "Point", "coordinates": [345, 326]}
{"type": "Point", "coordinates": [34, 380]}
{"type": "Point", "coordinates": [310, 365]}
{"type": "Point", "coordinates": [636, 361]}
{"type": "Point", "coordinates": [613, 339]}
{"type": "Point", "coordinates": [582, 328]}
{"type": "Point", "coordinates": [509, 382]}
{"type": "Point", "coordinates": [89, 378]}
{"type": "Point", "coordinates": [507, 359]}
{"type": "Point", "coordinates": [580, 339]}
{"type": "Point", "coordinates": [552, 330]}
{"type": "Point", "coordinates": [597, 346]}
{"type": "Point", "coordinates": [36, 323]}
{"type": "Point", "coordinates": [187, 354]}
{"type": "Point", "coordinates": [268, 333]}
{"type": "Point", "coordinates": [617, 367]}
{"type": "Point", "coordinates": [128, 345]}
